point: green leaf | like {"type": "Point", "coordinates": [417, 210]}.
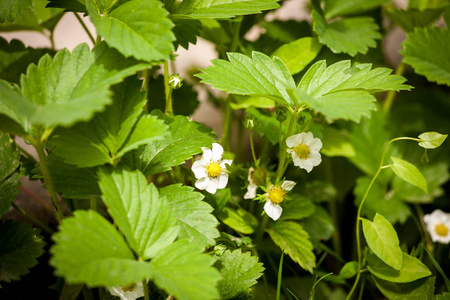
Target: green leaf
{"type": "Point", "coordinates": [112, 133]}
{"type": "Point", "coordinates": [145, 35]}
{"type": "Point", "coordinates": [87, 248]}
{"type": "Point", "coordinates": [297, 208]}
{"type": "Point", "coordinates": [184, 140]}
{"type": "Point", "coordinates": [185, 30]}
{"type": "Point", "coordinates": [409, 173]}
{"type": "Point", "coordinates": [299, 53]}
{"type": "Point", "coordinates": [348, 271]}
{"type": "Point", "coordinates": [421, 289]}
{"type": "Point", "coordinates": [383, 240]}
{"type": "Point", "coordinates": [431, 139]}
{"type": "Point", "coordinates": [349, 35]}
{"type": "Point", "coordinates": [411, 18]}
{"type": "Point", "coordinates": [426, 51]}
{"type": "Point", "coordinates": [242, 75]}
{"type": "Point", "coordinates": [412, 269]}
{"type": "Point", "coordinates": [185, 272]}
{"type": "Point", "coordinates": [69, 5]}
{"type": "Point", "coordinates": [219, 199]}
{"type": "Point", "coordinates": [443, 296]}
{"type": "Point", "coordinates": [319, 225]}
{"type": "Point", "coordinates": [9, 172]}
{"type": "Point", "coordinates": [239, 272]}
{"type": "Point", "coordinates": [142, 216]}
{"type": "Point", "coordinates": [20, 245]}
{"type": "Point", "coordinates": [240, 220]}
{"type": "Point", "coordinates": [223, 9]}
{"type": "Point", "coordinates": [84, 90]}
{"type": "Point", "coordinates": [13, 110]}
{"type": "Point", "coordinates": [334, 8]}
{"type": "Point", "coordinates": [193, 215]}
{"type": "Point", "coordinates": [11, 9]}
{"type": "Point", "coordinates": [293, 240]}
{"type": "Point", "coordinates": [336, 143]}
{"type": "Point", "coordinates": [267, 124]}
{"type": "Point", "coordinates": [251, 101]}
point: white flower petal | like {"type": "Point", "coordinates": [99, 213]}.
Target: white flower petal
{"type": "Point", "coordinates": [225, 162]}
{"type": "Point", "coordinates": [199, 169]}
{"type": "Point", "coordinates": [207, 154]}
{"type": "Point", "coordinates": [222, 180]}
{"type": "Point", "coordinates": [251, 191]}
{"type": "Point", "coordinates": [436, 218]}
{"type": "Point", "coordinates": [217, 152]}
{"type": "Point", "coordinates": [294, 140]}
{"type": "Point", "coordinates": [273, 210]}
{"type": "Point", "coordinates": [306, 165]}
{"type": "Point", "coordinates": [288, 185]}
{"type": "Point", "coordinates": [315, 145]}
{"type": "Point", "coordinates": [137, 292]}
{"type": "Point", "coordinates": [315, 158]}
{"type": "Point", "coordinates": [213, 185]}
{"type": "Point", "coordinates": [250, 172]}
{"type": "Point", "coordinates": [307, 137]}
{"type": "Point", "coordinates": [202, 183]}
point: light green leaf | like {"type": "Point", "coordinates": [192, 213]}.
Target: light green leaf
{"type": "Point", "coordinates": [20, 245]}
{"type": "Point", "coordinates": [13, 110]}
{"type": "Point", "coordinates": [293, 240]}
{"type": "Point", "coordinates": [409, 173]}
{"type": "Point", "coordinates": [185, 272]}
{"type": "Point", "coordinates": [87, 248]}
{"type": "Point", "coordinates": [431, 139]}
{"type": "Point", "coordinates": [426, 50]}
{"type": "Point", "coordinates": [348, 35]}
{"type": "Point", "coordinates": [223, 9]}
{"type": "Point", "coordinates": [319, 225]}
{"type": "Point", "coordinates": [239, 272]}
{"type": "Point", "coordinates": [348, 271]}
{"type": "Point", "coordinates": [84, 90]}
{"type": "Point", "coordinates": [297, 208]}
{"type": "Point", "coordinates": [383, 240]}
{"type": "Point", "coordinates": [336, 143]}
{"type": "Point", "coordinates": [334, 8]}
{"type": "Point", "coordinates": [146, 35]}
{"type": "Point", "coordinates": [251, 101]}
{"type": "Point", "coordinates": [412, 269]}
{"type": "Point", "coordinates": [240, 220]}
{"type": "Point", "coordinates": [112, 133]}
{"type": "Point", "coordinates": [298, 54]}
{"type": "Point", "coordinates": [193, 215]}
{"type": "Point", "coordinates": [143, 217]}
{"type": "Point", "coordinates": [426, 4]}
{"type": "Point", "coordinates": [421, 289]}
{"type": "Point", "coordinates": [11, 9]}
{"type": "Point", "coordinates": [257, 76]}
{"type": "Point", "coordinates": [411, 18]}
{"type": "Point", "coordinates": [9, 172]}
{"type": "Point", "coordinates": [184, 140]}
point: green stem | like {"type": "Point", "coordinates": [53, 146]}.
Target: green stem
{"type": "Point", "coordinates": [253, 148]}
{"type": "Point", "coordinates": [93, 202]}
{"type": "Point", "coordinates": [146, 296]}
{"type": "Point", "coordinates": [167, 89]}
{"type": "Point", "coordinates": [226, 131]}
{"type": "Point", "coordinates": [391, 94]}
{"type": "Point", "coordinates": [85, 27]}
{"type": "Point", "coordinates": [33, 219]}
{"type": "Point", "coordinates": [281, 163]}
{"type": "Point", "coordinates": [280, 275]}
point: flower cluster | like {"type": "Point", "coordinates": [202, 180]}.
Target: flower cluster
{"type": "Point", "coordinates": [438, 225]}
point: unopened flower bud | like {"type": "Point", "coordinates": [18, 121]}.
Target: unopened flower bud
{"type": "Point", "coordinates": [175, 81]}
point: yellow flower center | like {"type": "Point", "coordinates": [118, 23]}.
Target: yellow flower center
{"type": "Point", "coordinates": [213, 169]}
{"type": "Point", "coordinates": [302, 151]}
{"type": "Point", "coordinates": [129, 287]}
{"type": "Point", "coordinates": [276, 195]}
{"type": "Point", "coordinates": [441, 229]}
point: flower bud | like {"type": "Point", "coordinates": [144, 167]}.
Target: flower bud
{"type": "Point", "coordinates": [175, 81]}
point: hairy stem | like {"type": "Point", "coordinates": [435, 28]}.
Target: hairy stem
{"type": "Point", "coordinates": [167, 89]}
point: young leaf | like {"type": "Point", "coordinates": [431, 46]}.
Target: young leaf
{"type": "Point", "coordinates": [409, 173]}
{"type": "Point", "coordinates": [142, 216]}
{"type": "Point", "coordinates": [243, 75]}
{"type": "Point", "coordinates": [383, 240]}
{"type": "Point", "coordinates": [240, 220]}
{"type": "Point", "coordinates": [87, 248]}
{"type": "Point", "coordinates": [112, 133]}
{"type": "Point", "coordinates": [193, 215]}
{"type": "Point", "coordinates": [184, 140]}
{"type": "Point", "coordinates": [223, 9]}
{"type": "Point", "coordinates": [294, 240]}
{"type": "Point", "coordinates": [348, 271]}
{"type": "Point", "coordinates": [239, 272]}
{"type": "Point", "coordinates": [11, 9]}
{"type": "Point", "coordinates": [421, 289]}
{"type": "Point", "coordinates": [412, 269]}
{"type": "Point", "coordinates": [185, 272]}
{"type": "Point", "coordinates": [431, 139]}
{"type": "Point", "coordinates": [334, 8]}
{"type": "Point", "coordinates": [9, 172]}
{"type": "Point", "coordinates": [426, 51]}
{"type": "Point", "coordinates": [146, 35]}
{"type": "Point", "coordinates": [20, 245]}
{"type": "Point", "coordinates": [348, 35]}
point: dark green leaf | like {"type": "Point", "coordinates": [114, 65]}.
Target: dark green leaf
{"type": "Point", "coordinates": [319, 225]}
{"type": "Point", "coordinates": [421, 289]}
{"type": "Point", "coordinates": [267, 124]}
{"type": "Point", "coordinates": [411, 18]}
{"type": "Point", "coordinates": [69, 5]}
{"type": "Point", "coordinates": [11, 9]}
{"type": "Point", "coordinates": [186, 31]}
{"type": "Point", "coordinates": [297, 208]}
{"type": "Point", "coordinates": [9, 172]}
{"type": "Point", "coordinates": [334, 8]}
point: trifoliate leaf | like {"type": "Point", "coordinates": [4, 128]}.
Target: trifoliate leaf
{"type": "Point", "coordinates": [412, 269]}
{"type": "Point", "coordinates": [294, 240]}
{"type": "Point", "coordinates": [112, 133]}
{"type": "Point", "coordinates": [334, 8]}
{"type": "Point", "coordinates": [146, 35]}
{"type": "Point", "coordinates": [184, 140]}
{"type": "Point", "coordinates": [242, 75]}
{"type": "Point", "coordinates": [222, 9]}
{"type": "Point", "coordinates": [193, 215]}
{"type": "Point", "coordinates": [383, 240]}
{"type": "Point", "coordinates": [411, 18]}
{"type": "Point", "coordinates": [142, 216]}
{"type": "Point", "coordinates": [9, 172]}
{"type": "Point", "coordinates": [426, 50]}
{"type": "Point", "coordinates": [421, 289]}
{"type": "Point", "coordinates": [239, 272]}
{"type": "Point", "coordinates": [11, 9]}
{"type": "Point", "coordinates": [348, 35]}
{"type": "Point", "coordinates": [409, 173]}
{"type": "Point", "coordinates": [88, 249]}
{"type": "Point", "coordinates": [239, 219]}
{"type": "Point", "coordinates": [431, 139]}
{"type": "Point", "coordinates": [20, 245]}
{"type": "Point", "coordinates": [183, 271]}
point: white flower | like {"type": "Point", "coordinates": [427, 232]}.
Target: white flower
{"type": "Point", "coordinates": [438, 225]}
{"type": "Point", "coordinates": [274, 196]}
{"type": "Point", "coordinates": [129, 292]}
{"type": "Point", "coordinates": [252, 187]}
{"type": "Point", "coordinates": [304, 149]}
{"type": "Point", "coordinates": [210, 170]}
